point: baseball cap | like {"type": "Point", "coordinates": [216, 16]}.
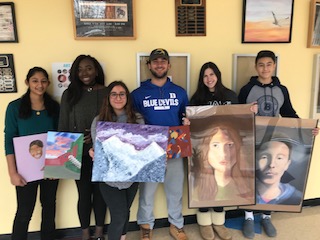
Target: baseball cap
{"type": "Point", "coordinates": [159, 53]}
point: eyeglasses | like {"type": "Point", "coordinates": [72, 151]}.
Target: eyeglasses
{"type": "Point", "coordinates": [114, 95]}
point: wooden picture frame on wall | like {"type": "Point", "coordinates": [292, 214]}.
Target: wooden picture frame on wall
{"type": "Point", "coordinates": [179, 72]}
{"type": "Point", "coordinates": [314, 25]}
{"type": "Point", "coordinates": [190, 17]}
{"type": "Point", "coordinates": [8, 27]}
{"type": "Point", "coordinates": [315, 92]}
{"type": "Point", "coordinates": [105, 19]}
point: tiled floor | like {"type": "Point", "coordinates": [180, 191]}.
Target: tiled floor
{"type": "Point", "coordinates": [290, 226]}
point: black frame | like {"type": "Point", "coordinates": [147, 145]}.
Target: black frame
{"type": "Point", "coordinates": [8, 82]}
{"type": "Point", "coordinates": [278, 22]}
{"type": "Point", "coordinates": [92, 26]}
{"type": "Point", "coordinates": [12, 19]}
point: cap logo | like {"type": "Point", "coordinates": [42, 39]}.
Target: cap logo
{"type": "Point", "coordinates": [159, 51]}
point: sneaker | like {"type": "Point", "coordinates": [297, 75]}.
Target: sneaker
{"type": "Point", "coordinates": [177, 233]}
{"type": "Point", "coordinates": [145, 232]}
{"type": "Point", "coordinates": [206, 232]}
{"type": "Point", "coordinates": [248, 228]}
{"type": "Point", "coordinates": [222, 232]}
{"type": "Point", "coordinates": [268, 227]}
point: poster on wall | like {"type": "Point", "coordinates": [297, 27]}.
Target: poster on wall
{"type": "Point", "coordinates": [8, 27]}
{"type": "Point", "coordinates": [60, 78]}
{"type": "Point", "coordinates": [7, 74]}
{"type": "Point", "coordinates": [103, 19]}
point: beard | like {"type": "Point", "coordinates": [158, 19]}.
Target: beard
{"type": "Point", "coordinates": [156, 75]}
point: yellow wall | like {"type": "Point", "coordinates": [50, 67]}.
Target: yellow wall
{"type": "Point", "coordinates": [46, 36]}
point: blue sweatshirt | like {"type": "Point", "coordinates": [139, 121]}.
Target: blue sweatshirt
{"type": "Point", "coordinates": [289, 196]}
{"type": "Point", "coordinates": [163, 106]}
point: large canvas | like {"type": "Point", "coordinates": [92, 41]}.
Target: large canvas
{"type": "Point", "coordinates": [283, 155]}
{"type": "Point", "coordinates": [221, 169]}
{"type": "Point", "coordinates": [129, 152]}
{"type": "Point", "coordinates": [30, 155]}
{"type": "Point", "coordinates": [63, 155]}
{"type": "Point", "coordinates": [179, 143]}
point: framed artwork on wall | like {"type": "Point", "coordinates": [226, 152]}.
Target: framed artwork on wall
{"type": "Point", "coordinates": [179, 72]}
{"type": "Point", "coordinates": [8, 83]}
{"type": "Point", "coordinates": [244, 68]}
{"type": "Point", "coordinates": [267, 21]}
{"type": "Point", "coordinates": [105, 19]}
{"type": "Point", "coordinates": [8, 27]}
{"type": "Point", "coordinates": [314, 25]}
{"type": "Point", "coordinates": [315, 93]}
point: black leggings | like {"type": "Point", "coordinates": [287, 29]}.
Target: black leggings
{"type": "Point", "coordinates": [89, 196]}
{"type": "Point", "coordinates": [26, 199]}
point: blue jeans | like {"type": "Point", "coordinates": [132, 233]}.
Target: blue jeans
{"type": "Point", "coordinates": [26, 199]}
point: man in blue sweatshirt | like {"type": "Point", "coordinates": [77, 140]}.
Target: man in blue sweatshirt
{"type": "Point", "coordinates": [163, 103]}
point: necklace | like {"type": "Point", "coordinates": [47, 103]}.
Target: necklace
{"type": "Point", "coordinates": [90, 88]}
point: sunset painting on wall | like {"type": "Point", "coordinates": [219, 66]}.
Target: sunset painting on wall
{"type": "Point", "coordinates": [267, 21]}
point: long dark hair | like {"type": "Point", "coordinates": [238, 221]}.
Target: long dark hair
{"type": "Point", "coordinates": [205, 174]}
{"type": "Point", "coordinates": [75, 87]}
{"type": "Point", "coordinates": [51, 105]}
{"type": "Point", "coordinates": [107, 113]}
{"type": "Point", "coordinates": [202, 93]}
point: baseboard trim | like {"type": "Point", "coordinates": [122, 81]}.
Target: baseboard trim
{"type": "Point", "coordinates": [159, 223]}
